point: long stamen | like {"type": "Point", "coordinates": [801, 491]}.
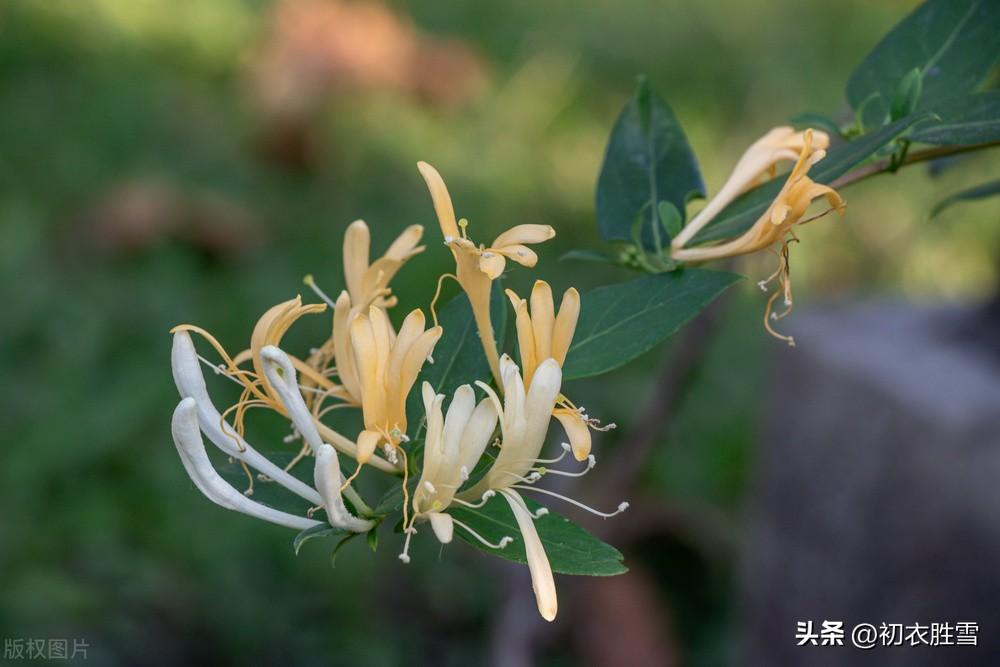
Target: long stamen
{"type": "Point", "coordinates": [410, 532]}
{"type": "Point", "coordinates": [591, 462]}
{"type": "Point", "coordinates": [482, 501]}
{"type": "Point", "coordinates": [502, 544]}
{"type": "Point", "coordinates": [311, 283]}
{"type": "Point", "coordinates": [621, 507]}
{"type": "Point", "coordinates": [437, 294]}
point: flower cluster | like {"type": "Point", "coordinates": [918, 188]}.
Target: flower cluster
{"type": "Point", "coordinates": [471, 451]}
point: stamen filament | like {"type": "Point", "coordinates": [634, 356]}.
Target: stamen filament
{"type": "Point", "coordinates": [621, 507]}
{"type": "Point", "coordinates": [504, 541]}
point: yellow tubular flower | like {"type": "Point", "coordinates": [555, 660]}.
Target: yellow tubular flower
{"type": "Point", "coordinates": [760, 160]}
{"type": "Point", "coordinates": [476, 267]}
{"type": "Point", "coordinates": [542, 334]}
{"type": "Point", "coordinates": [775, 226]}
{"type": "Point", "coordinates": [387, 365]}
{"type": "Point", "coordinates": [367, 286]}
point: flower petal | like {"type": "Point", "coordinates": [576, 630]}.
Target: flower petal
{"type": "Point", "coordinates": [565, 326]}
{"type": "Point", "coordinates": [357, 247]}
{"type": "Point", "coordinates": [542, 320]}
{"type": "Point", "coordinates": [542, 581]}
{"type": "Point", "coordinates": [442, 200]}
{"type": "Point", "coordinates": [577, 432]}
{"type": "Point", "coordinates": [521, 234]}
{"type": "Point", "coordinates": [492, 264]}
{"type": "Point", "coordinates": [521, 254]}
{"type": "Point", "coordinates": [442, 525]}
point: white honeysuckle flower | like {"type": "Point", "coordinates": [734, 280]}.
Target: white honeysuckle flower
{"type": "Point", "coordinates": [281, 374]}
{"type": "Point", "coordinates": [524, 419]}
{"type": "Point", "coordinates": [190, 383]}
{"type": "Point", "coordinates": [190, 446]}
{"type": "Point", "coordinates": [197, 408]}
{"type": "Point", "coordinates": [452, 445]}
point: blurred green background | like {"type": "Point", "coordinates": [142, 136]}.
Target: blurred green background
{"type": "Point", "coordinates": [191, 161]}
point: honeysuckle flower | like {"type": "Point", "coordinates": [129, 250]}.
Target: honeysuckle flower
{"type": "Point", "coordinates": [387, 366]}
{"type": "Point", "coordinates": [761, 159]}
{"type": "Point", "coordinates": [453, 444]}
{"type": "Point", "coordinates": [197, 408]}
{"type": "Point", "coordinates": [524, 418]}
{"type": "Point", "coordinates": [195, 414]}
{"type": "Point", "coordinates": [477, 266]}
{"type": "Point", "coordinates": [775, 227]}
{"type": "Point", "coordinates": [191, 448]}
{"type": "Point", "coordinates": [257, 390]}
{"type": "Point", "coordinates": [544, 334]}
{"type": "Point", "coordinates": [367, 286]}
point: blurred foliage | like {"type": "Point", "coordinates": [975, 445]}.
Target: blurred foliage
{"type": "Point", "coordinates": [113, 106]}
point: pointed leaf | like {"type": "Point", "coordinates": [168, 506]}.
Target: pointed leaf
{"type": "Point", "coordinates": [990, 189]}
{"type": "Point", "coordinates": [648, 160]}
{"type": "Point", "coordinates": [316, 532]}
{"type": "Point", "coordinates": [968, 120]}
{"type": "Point", "coordinates": [620, 322]}
{"type": "Point", "coordinates": [953, 44]}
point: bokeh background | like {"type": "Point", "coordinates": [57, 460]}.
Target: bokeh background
{"type": "Point", "coordinates": [191, 161]}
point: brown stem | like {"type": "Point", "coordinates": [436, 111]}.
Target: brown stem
{"type": "Point", "coordinates": [925, 155]}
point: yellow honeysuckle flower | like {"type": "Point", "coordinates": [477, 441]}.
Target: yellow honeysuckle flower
{"type": "Point", "coordinates": [367, 286]}
{"type": "Point", "coordinates": [258, 390]}
{"type": "Point", "coordinates": [543, 334]}
{"type": "Point", "coordinates": [775, 226]}
{"type": "Point", "coordinates": [758, 161]}
{"type": "Point", "coordinates": [387, 366]}
{"type": "Point", "coordinates": [476, 267]}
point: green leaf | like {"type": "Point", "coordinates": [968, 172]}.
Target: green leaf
{"type": "Point", "coordinates": [742, 213]}
{"type": "Point", "coordinates": [620, 322]}
{"type": "Point", "coordinates": [671, 219]}
{"type": "Point", "coordinates": [907, 96]}
{"type": "Point", "coordinates": [953, 44]}
{"type": "Point", "coordinates": [316, 532]}
{"type": "Point", "coordinates": [570, 549]}
{"type": "Point", "coordinates": [648, 160]}
{"type": "Point", "coordinates": [967, 120]}
{"type": "Point", "coordinates": [816, 120]}
{"type": "Point", "coordinates": [372, 537]}
{"type": "Point", "coordinates": [581, 255]}
{"type": "Point", "coordinates": [989, 189]}
{"type": "Point", "coordinates": [458, 356]}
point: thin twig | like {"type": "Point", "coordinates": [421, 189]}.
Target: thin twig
{"type": "Point", "coordinates": [880, 166]}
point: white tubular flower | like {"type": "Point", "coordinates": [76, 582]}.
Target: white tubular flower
{"type": "Point", "coordinates": [452, 446]}
{"type": "Point", "coordinates": [281, 374]}
{"type": "Point", "coordinates": [187, 437]}
{"type": "Point", "coordinates": [524, 420]}
{"type": "Point", "coordinates": [191, 384]}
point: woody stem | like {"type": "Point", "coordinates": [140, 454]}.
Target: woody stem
{"type": "Point", "coordinates": [885, 164]}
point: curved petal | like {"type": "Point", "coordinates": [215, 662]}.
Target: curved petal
{"type": "Point", "coordinates": [442, 525]}
{"type": "Point", "coordinates": [521, 234]}
{"type": "Point", "coordinates": [565, 326]}
{"type": "Point", "coordinates": [442, 200]}
{"type": "Point", "coordinates": [492, 264]}
{"type": "Point", "coordinates": [357, 247]}
{"type": "Point", "coordinates": [328, 479]}
{"type": "Point", "coordinates": [521, 254]}
{"type": "Point", "coordinates": [191, 449]}
{"type": "Point", "coordinates": [577, 432]}
{"type": "Point", "coordinates": [542, 581]}
{"type": "Point", "coordinates": [542, 319]}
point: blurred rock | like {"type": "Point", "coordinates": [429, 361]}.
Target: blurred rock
{"type": "Point", "coordinates": [316, 50]}
{"type": "Point", "coordinates": [877, 493]}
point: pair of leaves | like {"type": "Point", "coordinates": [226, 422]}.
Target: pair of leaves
{"type": "Point", "coordinates": [967, 120]}
{"type": "Point", "coordinates": [570, 548]}
{"type": "Point", "coordinates": [647, 162]}
{"type": "Point", "coordinates": [945, 48]}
